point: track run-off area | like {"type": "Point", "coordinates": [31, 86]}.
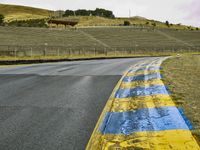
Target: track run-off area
{"type": "Point", "coordinates": [66, 104]}
{"type": "Point", "coordinates": [140, 114]}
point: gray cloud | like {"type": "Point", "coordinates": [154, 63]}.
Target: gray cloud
{"type": "Point", "coordinates": [193, 15]}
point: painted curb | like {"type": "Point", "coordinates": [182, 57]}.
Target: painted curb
{"type": "Point", "coordinates": [143, 116]}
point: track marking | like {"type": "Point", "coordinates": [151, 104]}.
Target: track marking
{"type": "Point", "coordinates": [145, 121]}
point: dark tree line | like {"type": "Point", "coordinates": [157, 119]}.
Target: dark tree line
{"type": "Point", "coordinates": [83, 12]}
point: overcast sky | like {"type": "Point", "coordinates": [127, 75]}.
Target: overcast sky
{"type": "Point", "coordinates": [175, 11]}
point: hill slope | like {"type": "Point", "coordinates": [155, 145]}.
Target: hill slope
{"type": "Point", "coordinates": [15, 12]}
{"type": "Point", "coordinates": [137, 21]}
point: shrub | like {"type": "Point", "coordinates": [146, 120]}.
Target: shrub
{"type": "Point", "coordinates": [167, 23]}
{"type": "Point", "coordinates": [1, 19]}
{"type": "Point", "coordinates": [29, 23]}
{"type": "Point", "coordinates": [127, 23]}
{"type": "Point", "coordinates": [154, 24]}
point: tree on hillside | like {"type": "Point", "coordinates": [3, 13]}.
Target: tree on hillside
{"type": "Point", "coordinates": [68, 13]}
{"type": "Point", "coordinates": [82, 12]}
{"type": "Point", "coordinates": [97, 12]}
{"type": "Point", "coordinates": [1, 19]}
{"type": "Point", "coordinates": [167, 23]}
{"type": "Point", "coordinates": [103, 13]}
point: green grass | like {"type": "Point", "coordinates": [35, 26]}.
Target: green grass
{"type": "Point", "coordinates": [99, 40]}
{"type": "Point", "coordinates": [181, 74]}
{"type": "Point", "coordinates": [115, 38]}
{"type": "Point", "coordinates": [14, 12]}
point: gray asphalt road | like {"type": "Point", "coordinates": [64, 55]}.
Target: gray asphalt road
{"type": "Point", "coordinates": [55, 105]}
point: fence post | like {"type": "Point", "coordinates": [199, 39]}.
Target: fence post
{"type": "Point", "coordinates": [15, 53]}
{"type": "Point", "coordinates": [135, 49]}
{"type": "Point", "coordinates": [45, 51]}
{"type": "Point", "coordinates": [69, 51]}
{"type": "Point", "coordinates": [58, 52]}
{"type": "Point", "coordinates": [31, 52]}
{"type": "Point", "coordinates": [83, 51]}
{"type": "Point", "coordinates": [94, 51]}
{"type": "Point", "coordinates": [105, 51]}
{"type": "Point", "coordinates": [79, 51]}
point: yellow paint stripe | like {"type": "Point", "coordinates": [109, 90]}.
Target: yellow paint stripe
{"type": "Point", "coordinates": [142, 72]}
{"type": "Point", "coordinates": [106, 109]}
{"type": "Point", "coordinates": [174, 139]}
{"type": "Point", "coordinates": [127, 85]}
{"type": "Point", "coordinates": [160, 140]}
{"type": "Point", "coordinates": [134, 103]}
{"type": "Point", "coordinates": [13, 66]}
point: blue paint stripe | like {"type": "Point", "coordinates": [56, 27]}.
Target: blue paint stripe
{"type": "Point", "coordinates": [144, 68]}
{"type": "Point", "coordinates": [142, 77]}
{"type": "Point", "coordinates": [142, 91]}
{"type": "Point", "coordinates": [152, 119]}
{"type": "Point", "coordinates": [187, 121]}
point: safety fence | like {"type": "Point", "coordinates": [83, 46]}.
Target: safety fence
{"type": "Point", "coordinates": [42, 50]}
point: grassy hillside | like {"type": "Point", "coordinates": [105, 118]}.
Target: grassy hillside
{"type": "Point", "coordinates": [138, 21]}
{"type": "Point", "coordinates": [39, 43]}
{"type": "Point", "coordinates": [119, 38]}
{"type": "Point", "coordinates": [14, 12]}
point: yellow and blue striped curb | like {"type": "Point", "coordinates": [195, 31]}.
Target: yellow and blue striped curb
{"type": "Point", "coordinates": [146, 119]}
{"type": "Point", "coordinates": [141, 91]}
{"type": "Point", "coordinates": [140, 114]}
{"type": "Point", "coordinates": [134, 103]}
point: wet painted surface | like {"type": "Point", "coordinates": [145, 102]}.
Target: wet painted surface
{"type": "Point", "coordinates": [142, 68]}
{"type": "Point", "coordinates": [153, 119]}
{"type": "Point", "coordinates": [141, 91]}
{"type": "Point", "coordinates": [140, 114]}
{"type": "Point", "coordinates": [142, 77]}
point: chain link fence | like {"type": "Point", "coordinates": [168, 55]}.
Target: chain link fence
{"type": "Point", "coordinates": [42, 50]}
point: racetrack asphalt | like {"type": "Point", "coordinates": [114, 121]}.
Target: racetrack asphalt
{"type": "Point", "coordinates": [55, 105]}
